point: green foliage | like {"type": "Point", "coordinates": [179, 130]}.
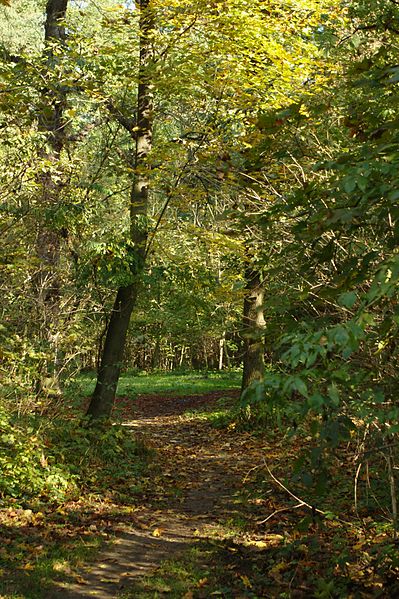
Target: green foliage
{"type": "Point", "coordinates": [103, 459]}
{"type": "Point", "coordinates": [26, 472]}
{"type": "Point", "coordinates": [332, 285]}
{"type": "Point", "coordinates": [51, 461]}
{"type": "Point", "coordinates": [221, 415]}
{"type": "Point", "coordinates": [276, 135]}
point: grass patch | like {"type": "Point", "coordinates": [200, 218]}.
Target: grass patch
{"type": "Point", "coordinates": [133, 383]}
{"type": "Point", "coordinates": [220, 415]}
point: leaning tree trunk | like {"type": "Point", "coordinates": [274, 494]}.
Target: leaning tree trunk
{"type": "Point", "coordinates": [108, 374]}
{"type": "Point", "coordinates": [253, 329]}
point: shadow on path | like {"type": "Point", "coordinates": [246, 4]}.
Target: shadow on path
{"type": "Point", "coordinates": [198, 471]}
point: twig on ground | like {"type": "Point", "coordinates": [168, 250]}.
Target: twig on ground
{"type": "Point", "coordinates": [300, 501]}
{"type": "Point", "coordinates": [283, 509]}
{"type": "Point", "coordinates": [244, 480]}
{"type": "Point", "coordinates": [355, 488]}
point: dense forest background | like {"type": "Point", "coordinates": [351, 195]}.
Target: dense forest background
{"type": "Point", "coordinates": [207, 185]}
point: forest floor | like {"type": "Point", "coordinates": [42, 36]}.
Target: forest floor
{"type": "Point", "coordinates": [190, 536]}
{"type": "Point", "coordinates": [210, 520]}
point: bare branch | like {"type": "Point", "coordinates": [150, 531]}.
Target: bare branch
{"type": "Point", "coordinates": [127, 123]}
{"type": "Point", "coordinates": [300, 501]}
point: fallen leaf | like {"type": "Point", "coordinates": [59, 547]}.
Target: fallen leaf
{"type": "Point", "coordinates": [259, 544]}
{"type": "Point", "coordinates": [276, 571]}
{"type": "Point", "coordinates": [157, 532]}
{"type": "Point", "coordinates": [246, 581]}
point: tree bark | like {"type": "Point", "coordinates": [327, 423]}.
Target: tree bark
{"type": "Point", "coordinates": [253, 329]}
{"type": "Point", "coordinates": [222, 342]}
{"type": "Point", "coordinates": [51, 123]}
{"type": "Point", "coordinates": [55, 15]}
{"type": "Point", "coordinates": [108, 375]}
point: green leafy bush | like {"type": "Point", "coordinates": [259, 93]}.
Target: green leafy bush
{"type": "Point", "coordinates": [61, 459]}
{"type": "Point", "coordinates": [102, 457]}
{"type": "Point", "coordinates": [25, 468]}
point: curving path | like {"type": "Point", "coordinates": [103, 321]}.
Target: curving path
{"type": "Point", "coordinates": [194, 488]}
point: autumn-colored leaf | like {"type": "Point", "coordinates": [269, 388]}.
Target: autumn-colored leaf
{"type": "Point", "coordinates": [276, 571]}
{"type": "Point", "coordinates": [157, 532]}
{"type": "Point", "coordinates": [246, 581]}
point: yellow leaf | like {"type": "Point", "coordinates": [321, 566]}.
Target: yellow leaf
{"type": "Point", "coordinates": [157, 532]}
{"type": "Point", "coordinates": [260, 544]}
{"type": "Point", "coordinates": [275, 572]}
{"type": "Point", "coordinates": [246, 581]}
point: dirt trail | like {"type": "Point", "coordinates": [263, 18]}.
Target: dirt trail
{"type": "Point", "coordinates": [197, 476]}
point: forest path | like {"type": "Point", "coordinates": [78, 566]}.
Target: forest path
{"type": "Point", "coordinates": [194, 495]}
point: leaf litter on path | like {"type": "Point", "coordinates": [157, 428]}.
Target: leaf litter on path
{"type": "Point", "coordinates": [208, 521]}
{"type": "Point", "coordinates": [192, 493]}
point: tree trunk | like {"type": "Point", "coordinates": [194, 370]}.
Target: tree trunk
{"type": "Point", "coordinates": [253, 330]}
{"type": "Point", "coordinates": [51, 123]}
{"type": "Point", "coordinates": [108, 375]}
{"type": "Point", "coordinates": [156, 355]}
{"type": "Point", "coordinates": [182, 355]}
{"type": "Point", "coordinates": [222, 341]}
